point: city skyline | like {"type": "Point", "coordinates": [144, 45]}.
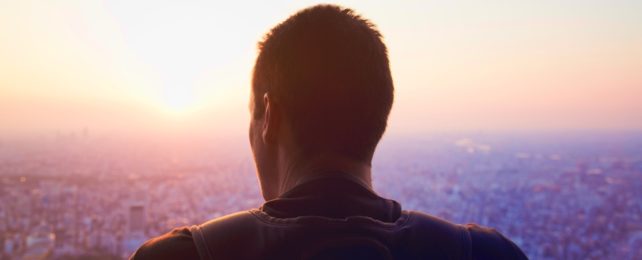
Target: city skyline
{"type": "Point", "coordinates": [570, 198]}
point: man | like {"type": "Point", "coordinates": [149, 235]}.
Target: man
{"type": "Point", "coordinates": [321, 95]}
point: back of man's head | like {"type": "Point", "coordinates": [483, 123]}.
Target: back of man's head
{"type": "Point", "coordinates": [327, 69]}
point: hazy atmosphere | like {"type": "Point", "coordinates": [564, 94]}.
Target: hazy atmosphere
{"type": "Point", "coordinates": [150, 68]}
{"type": "Point", "coordinates": [121, 120]}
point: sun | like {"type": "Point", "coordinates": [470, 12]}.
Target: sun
{"type": "Point", "coordinates": [179, 101]}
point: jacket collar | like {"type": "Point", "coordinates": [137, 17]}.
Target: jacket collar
{"type": "Point", "coordinates": [335, 196]}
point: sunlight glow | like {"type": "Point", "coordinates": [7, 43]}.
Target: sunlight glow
{"type": "Point", "coordinates": [179, 100]}
{"type": "Point", "coordinates": [456, 65]}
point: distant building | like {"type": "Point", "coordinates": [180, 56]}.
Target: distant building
{"type": "Point", "coordinates": [40, 243]}
{"type": "Point", "coordinates": [136, 222]}
{"type": "Point", "coordinates": [136, 225]}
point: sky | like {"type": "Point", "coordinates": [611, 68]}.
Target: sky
{"type": "Point", "coordinates": [182, 68]}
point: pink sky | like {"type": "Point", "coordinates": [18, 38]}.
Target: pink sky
{"type": "Point", "coordinates": [148, 67]}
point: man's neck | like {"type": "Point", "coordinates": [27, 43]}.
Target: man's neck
{"type": "Point", "coordinates": [302, 170]}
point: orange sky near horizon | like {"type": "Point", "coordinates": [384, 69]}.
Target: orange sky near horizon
{"type": "Point", "coordinates": [146, 67]}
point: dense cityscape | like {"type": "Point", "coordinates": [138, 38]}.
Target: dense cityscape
{"type": "Point", "coordinates": [75, 196]}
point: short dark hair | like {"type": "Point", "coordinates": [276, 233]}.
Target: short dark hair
{"type": "Point", "coordinates": [327, 67]}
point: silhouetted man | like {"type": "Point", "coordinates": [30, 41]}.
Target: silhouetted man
{"type": "Point", "coordinates": [321, 95]}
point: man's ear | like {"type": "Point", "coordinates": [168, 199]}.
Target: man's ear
{"type": "Point", "coordinates": [271, 120]}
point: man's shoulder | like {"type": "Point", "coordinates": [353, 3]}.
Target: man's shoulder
{"type": "Point", "coordinates": [176, 244]}
{"type": "Point", "coordinates": [482, 242]}
{"type": "Point", "coordinates": [488, 243]}
{"type": "Point", "coordinates": [179, 243]}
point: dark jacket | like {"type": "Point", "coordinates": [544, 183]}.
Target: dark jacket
{"type": "Point", "coordinates": [330, 218]}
